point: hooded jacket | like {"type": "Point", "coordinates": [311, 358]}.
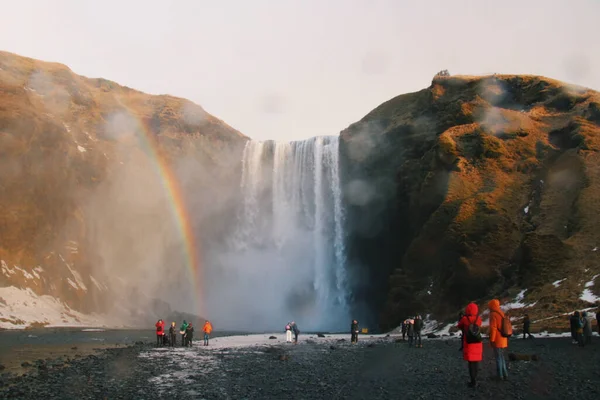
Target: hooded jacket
{"type": "Point", "coordinates": [471, 351]}
{"type": "Point", "coordinates": [160, 327]}
{"type": "Point", "coordinates": [183, 326]}
{"type": "Point", "coordinates": [207, 328]}
{"type": "Point", "coordinates": [496, 315]}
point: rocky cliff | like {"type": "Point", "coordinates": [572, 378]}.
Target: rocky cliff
{"type": "Point", "coordinates": [83, 168]}
{"type": "Point", "coordinates": [473, 188]}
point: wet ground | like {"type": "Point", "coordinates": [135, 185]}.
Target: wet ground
{"type": "Point", "coordinates": [19, 347]}
{"type": "Point", "coordinates": [316, 368]}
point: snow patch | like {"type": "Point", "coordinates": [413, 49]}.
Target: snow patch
{"type": "Point", "coordinates": [72, 283]}
{"type": "Point", "coordinates": [526, 210]}
{"type": "Point", "coordinates": [517, 303]}
{"type": "Point", "coordinates": [558, 282]}
{"type": "Point", "coordinates": [26, 274]}
{"type": "Point", "coordinates": [595, 249]}
{"type": "Point", "coordinates": [79, 282]}
{"type": "Point", "coordinates": [100, 286]}
{"type": "Point", "coordinates": [591, 282]}
{"type": "Point", "coordinates": [6, 270]}
{"type": "Point", "coordinates": [67, 127]}
{"type": "Point", "coordinates": [588, 296]}
{"type": "Point", "coordinates": [25, 307]}
{"type": "Point", "coordinates": [81, 149]}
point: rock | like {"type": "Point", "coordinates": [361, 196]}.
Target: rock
{"type": "Point", "coordinates": [320, 335]}
{"type": "Point", "coordinates": [26, 364]}
{"type": "Point", "coordinates": [371, 345]}
{"type": "Point", "coordinates": [431, 335]}
{"type": "Point", "coordinates": [388, 335]}
{"type": "Point", "coordinates": [272, 337]}
{"type": "Point", "coordinates": [74, 348]}
{"type": "Point", "coordinates": [332, 347]}
{"type": "Point", "coordinates": [2, 367]}
{"type": "Point", "coordinates": [341, 340]}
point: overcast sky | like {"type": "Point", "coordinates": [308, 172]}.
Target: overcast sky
{"type": "Point", "coordinates": [291, 69]}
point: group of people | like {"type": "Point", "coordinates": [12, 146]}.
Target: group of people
{"type": "Point", "coordinates": [500, 330]}
{"type": "Point", "coordinates": [412, 327]}
{"type": "Point", "coordinates": [581, 327]}
{"type": "Point", "coordinates": [291, 327]}
{"type": "Point", "coordinates": [186, 330]}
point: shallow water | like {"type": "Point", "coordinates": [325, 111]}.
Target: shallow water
{"type": "Point", "coordinates": [18, 346]}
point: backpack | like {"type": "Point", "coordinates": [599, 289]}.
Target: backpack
{"type": "Point", "coordinates": [505, 328]}
{"type": "Point", "coordinates": [473, 333]}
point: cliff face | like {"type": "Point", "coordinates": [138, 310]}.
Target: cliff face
{"type": "Point", "coordinates": [82, 164]}
{"type": "Point", "coordinates": [476, 187]}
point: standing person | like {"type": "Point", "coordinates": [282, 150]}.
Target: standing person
{"type": "Point", "coordinates": [160, 331]}
{"type": "Point", "coordinates": [404, 326]}
{"type": "Point", "coordinates": [469, 325]}
{"type": "Point", "coordinates": [498, 341]}
{"type": "Point", "coordinates": [418, 329]}
{"type": "Point", "coordinates": [410, 331]}
{"type": "Point", "coordinates": [527, 327]}
{"type": "Point", "coordinates": [172, 335]}
{"type": "Point", "coordinates": [288, 333]}
{"type": "Point", "coordinates": [296, 331]}
{"type": "Point", "coordinates": [579, 329]}
{"type": "Point", "coordinates": [189, 335]}
{"type": "Point", "coordinates": [354, 331]}
{"type": "Point", "coordinates": [207, 329]}
{"type": "Point", "coordinates": [182, 329]}
{"type": "Point", "coordinates": [587, 327]}
{"type": "Point", "coordinates": [573, 322]}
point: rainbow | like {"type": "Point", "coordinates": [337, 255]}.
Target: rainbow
{"type": "Point", "coordinates": [179, 210]}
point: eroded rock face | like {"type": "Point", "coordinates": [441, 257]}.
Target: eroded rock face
{"type": "Point", "coordinates": [470, 189]}
{"type": "Point", "coordinates": [83, 163]}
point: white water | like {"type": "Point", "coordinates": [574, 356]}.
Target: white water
{"type": "Point", "coordinates": [289, 240]}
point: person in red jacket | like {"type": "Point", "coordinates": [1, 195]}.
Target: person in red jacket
{"type": "Point", "coordinates": [472, 352]}
{"type": "Point", "coordinates": [160, 331]}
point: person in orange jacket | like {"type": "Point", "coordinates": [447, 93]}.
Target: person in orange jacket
{"type": "Point", "coordinates": [498, 342]}
{"type": "Point", "coordinates": [207, 329]}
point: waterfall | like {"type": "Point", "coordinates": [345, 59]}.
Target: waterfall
{"type": "Point", "coordinates": [289, 235]}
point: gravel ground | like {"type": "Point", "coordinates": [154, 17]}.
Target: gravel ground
{"type": "Point", "coordinates": [314, 369]}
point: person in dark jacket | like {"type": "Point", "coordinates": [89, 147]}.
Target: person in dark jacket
{"type": "Point", "coordinates": [579, 329]}
{"type": "Point", "coordinates": [189, 335]}
{"type": "Point", "coordinates": [410, 331]}
{"type": "Point", "coordinates": [404, 327]}
{"type": "Point", "coordinates": [418, 329]}
{"type": "Point", "coordinates": [354, 331]}
{"type": "Point", "coordinates": [587, 327]}
{"type": "Point", "coordinates": [296, 331]}
{"type": "Point", "coordinates": [527, 327]}
{"type": "Point", "coordinates": [573, 322]}
{"type": "Point", "coordinates": [172, 335]}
